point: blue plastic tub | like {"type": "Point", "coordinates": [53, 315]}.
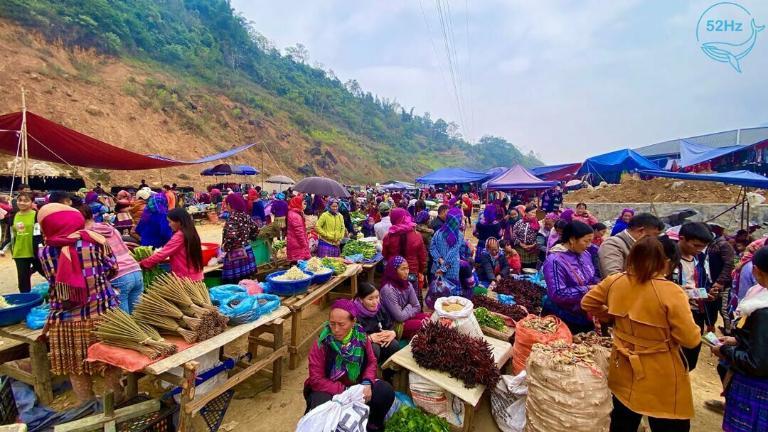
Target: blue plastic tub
{"type": "Point", "coordinates": [285, 288]}
{"type": "Point", "coordinates": [21, 305]}
{"type": "Point", "coordinates": [321, 278]}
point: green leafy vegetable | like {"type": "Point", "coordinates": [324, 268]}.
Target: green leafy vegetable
{"type": "Point", "coordinates": [487, 319]}
{"type": "Point", "coordinates": [355, 247]}
{"type": "Point", "coordinates": [337, 266]}
{"type": "Point", "coordinates": [408, 419]}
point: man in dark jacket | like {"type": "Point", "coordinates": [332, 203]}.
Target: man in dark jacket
{"type": "Point", "coordinates": [720, 255]}
{"type": "Point", "coordinates": [492, 264]}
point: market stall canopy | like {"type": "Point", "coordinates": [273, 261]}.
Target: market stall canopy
{"type": "Point", "coordinates": [692, 153]}
{"type": "Point", "coordinates": [556, 172]}
{"type": "Point", "coordinates": [280, 179]}
{"type": "Point", "coordinates": [321, 186]}
{"type": "Point", "coordinates": [517, 178]}
{"type": "Point", "coordinates": [398, 185]}
{"type": "Point", "coordinates": [609, 166]}
{"type": "Point", "coordinates": [740, 178]}
{"type": "Point", "coordinates": [452, 176]}
{"type": "Point", "coordinates": [52, 142]}
{"type": "Point", "coordinates": [227, 169]}
{"type": "Point", "coordinates": [493, 172]}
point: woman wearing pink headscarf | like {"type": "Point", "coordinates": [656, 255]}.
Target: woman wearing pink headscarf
{"type": "Point", "coordinates": [239, 261]}
{"type": "Point", "coordinates": [402, 239]}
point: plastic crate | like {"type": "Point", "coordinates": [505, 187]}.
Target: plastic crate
{"type": "Point", "coordinates": [160, 421]}
{"type": "Point", "coordinates": [8, 410]}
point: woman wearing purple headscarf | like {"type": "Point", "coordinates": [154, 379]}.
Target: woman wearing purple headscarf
{"type": "Point", "coordinates": [487, 227]}
{"type": "Point", "coordinates": [239, 261]}
{"type": "Point", "coordinates": [97, 208]}
{"type": "Point", "coordinates": [623, 221]}
{"type": "Point", "coordinates": [399, 298]}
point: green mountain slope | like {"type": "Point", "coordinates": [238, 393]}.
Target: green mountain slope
{"type": "Point", "coordinates": [211, 51]}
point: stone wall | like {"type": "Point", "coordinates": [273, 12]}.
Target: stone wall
{"type": "Point", "coordinates": [608, 212]}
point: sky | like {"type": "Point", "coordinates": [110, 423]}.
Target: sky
{"type": "Point", "coordinates": [566, 79]}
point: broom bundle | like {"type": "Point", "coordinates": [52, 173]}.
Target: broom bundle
{"type": "Point", "coordinates": [119, 329]}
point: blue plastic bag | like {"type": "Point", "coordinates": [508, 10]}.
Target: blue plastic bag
{"type": "Point", "coordinates": [222, 293]}
{"type": "Point", "coordinates": [37, 317]}
{"type": "Point", "coordinates": [41, 288]}
{"type": "Point", "coordinates": [242, 308]}
{"type": "Point", "coordinates": [505, 299]}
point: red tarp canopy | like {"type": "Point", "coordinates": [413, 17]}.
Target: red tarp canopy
{"type": "Point", "coordinates": [52, 142]}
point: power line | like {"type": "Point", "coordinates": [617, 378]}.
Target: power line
{"type": "Point", "coordinates": [451, 68]}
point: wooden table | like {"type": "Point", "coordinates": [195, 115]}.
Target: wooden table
{"type": "Point", "coordinates": [189, 406]}
{"type": "Point", "coordinates": [370, 270]}
{"type": "Point", "coordinates": [403, 362]}
{"type": "Point", "coordinates": [40, 378]}
{"type": "Point", "coordinates": [298, 303]}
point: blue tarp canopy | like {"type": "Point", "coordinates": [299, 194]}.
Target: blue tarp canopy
{"type": "Point", "coordinates": [609, 166]}
{"type": "Point", "coordinates": [227, 169]}
{"type": "Point", "coordinates": [452, 176]}
{"type": "Point", "coordinates": [517, 178]}
{"type": "Point", "coordinates": [493, 172]}
{"type": "Point", "coordinates": [398, 185]}
{"type": "Point", "coordinates": [692, 153]}
{"type": "Point", "coordinates": [740, 177]}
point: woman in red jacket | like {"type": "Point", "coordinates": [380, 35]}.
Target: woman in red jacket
{"type": "Point", "coordinates": [403, 240]}
{"type": "Point", "coordinates": [297, 243]}
{"type": "Point", "coordinates": [343, 357]}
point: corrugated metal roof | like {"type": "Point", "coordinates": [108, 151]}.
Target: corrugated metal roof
{"type": "Point", "coordinates": [714, 140]}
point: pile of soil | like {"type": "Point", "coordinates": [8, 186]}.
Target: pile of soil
{"type": "Point", "coordinates": [657, 190]}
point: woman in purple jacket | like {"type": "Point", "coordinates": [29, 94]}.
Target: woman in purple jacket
{"type": "Point", "coordinates": [343, 357]}
{"type": "Point", "coordinates": [569, 273]}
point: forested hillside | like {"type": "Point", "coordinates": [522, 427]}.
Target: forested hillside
{"type": "Point", "coordinates": [199, 57]}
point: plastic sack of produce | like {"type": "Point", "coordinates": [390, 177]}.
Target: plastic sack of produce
{"type": "Point", "coordinates": [41, 288]}
{"type": "Point", "coordinates": [434, 400]}
{"type": "Point", "coordinates": [242, 308]}
{"type": "Point", "coordinates": [439, 287]}
{"type": "Point", "coordinates": [505, 299]}
{"type": "Point", "coordinates": [220, 294]}
{"type": "Point", "coordinates": [457, 313]}
{"type": "Point", "coordinates": [534, 329]}
{"type": "Point", "coordinates": [251, 286]}
{"type": "Point", "coordinates": [345, 412]}
{"type": "Point", "coordinates": [567, 389]}
{"type": "Point", "coordinates": [37, 317]}
{"type": "Point", "coordinates": [508, 402]}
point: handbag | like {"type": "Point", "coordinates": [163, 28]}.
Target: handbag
{"type": "Point", "coordinates": [439, 287]}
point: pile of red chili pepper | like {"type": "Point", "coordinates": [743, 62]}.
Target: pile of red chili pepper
{"type": "Point", "coordinates": [525, 292]}
{"type": "Point", "coordinates": [461, 356]}
{"type": "Point", "coordinates": [513, 311]}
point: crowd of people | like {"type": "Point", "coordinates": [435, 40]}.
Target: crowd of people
{"type": "Point", "coordinates": [658, 289]}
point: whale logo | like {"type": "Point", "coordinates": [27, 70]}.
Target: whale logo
{"type": "Point", "coordinates": [732, 53]}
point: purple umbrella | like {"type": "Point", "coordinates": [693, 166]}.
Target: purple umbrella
{"type": "Point", "coordinates": [321, 186]}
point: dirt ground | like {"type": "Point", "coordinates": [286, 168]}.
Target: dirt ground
{"type": "Point", "coordinates": [657, 190]}
{"type": "Point", "coordinates": [256, 408]}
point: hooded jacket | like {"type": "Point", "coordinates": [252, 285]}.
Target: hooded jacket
{"type": "Point", "coordinates": [750, 356]}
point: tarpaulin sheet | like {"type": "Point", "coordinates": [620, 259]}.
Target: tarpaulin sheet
{"type": "Point", "coordinates": [517, 177]}
{"type": "Point", "coordinates": [609, 166]}
{"type": "Point", "coordinates": [556, 172]}
{"type": "Point", "coordinates": [52, 142]}
{"type": "Point", "coordinates": [452, 176]}
{"type": "Point", "coordinates": [740, 177]}
{"type": "Point", "coordinates": [692, 153]}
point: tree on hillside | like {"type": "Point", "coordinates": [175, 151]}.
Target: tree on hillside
{"type": "Point", "coordinates": [299, 53]}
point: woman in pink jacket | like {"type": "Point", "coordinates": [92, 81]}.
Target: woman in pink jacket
{"type": "Point", "coordinates": [342, 357]}
{"type": "Point", "coordinates": [183, 249]}
{"type": "Point", "coordinates": [297, 243]}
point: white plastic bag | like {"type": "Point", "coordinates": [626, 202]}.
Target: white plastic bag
{"type": "Point", "coordinates": [462, 320]}
{"type": "Point", "coordinates": [345, 412]}
{"type": "Point", "coordinates": [434, 400]}
{"type": "Point", "coordinates": [508, 402]}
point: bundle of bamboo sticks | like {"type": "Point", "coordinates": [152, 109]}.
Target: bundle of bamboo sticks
{"type": "Point", "coordinates": [119, 329]}
{"type": "Point", "coordinates": [180, 306]}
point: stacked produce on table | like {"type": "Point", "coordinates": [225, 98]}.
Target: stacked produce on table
{"type": "Point", "coordinates": [182, 307]}
{"type": "Point", "coordinates": [525, 293]}
{"type": "Point", "coordinates": [293, 274]}
{"type": "Point", "coordinates": [415, 420]}
{"type": "Point", "coordinates": [117, 328]}
{"type": "Point", "coordinates": [149, 275]}
{"type": "Point", "coordinates": [592, 339]}
{"type": "Point", "coordinates": [337, 265]}
{"type": "Point", "coordinates": [467, 358]}
{"type": "Point", "coordinates": [487, 319]}
{"type": "Point", "coordinates": [516, 312]}
{"type": "Point", "coordinates": [315, 265]}
{"type": "Point", "coordinates": [534, 329]}
{"type": "Point", "coordinates": [359, 247]}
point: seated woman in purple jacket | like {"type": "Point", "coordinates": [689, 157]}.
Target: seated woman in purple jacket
{"type": "Point", "coordinates": [343, 357]}
{"type": "Point", "coordinates": [569, 272]}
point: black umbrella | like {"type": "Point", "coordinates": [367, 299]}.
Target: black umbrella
{"type": "Point", "coordinates": [321, 186]}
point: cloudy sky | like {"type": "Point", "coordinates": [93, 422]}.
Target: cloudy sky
{"type": "Point", "coordinates": [566, 79]}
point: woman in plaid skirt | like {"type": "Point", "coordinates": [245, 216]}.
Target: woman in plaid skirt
{"type": "Point", "coordinates": [239, 262]}
{"type": "Point", "coordinates": [78, 265]}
